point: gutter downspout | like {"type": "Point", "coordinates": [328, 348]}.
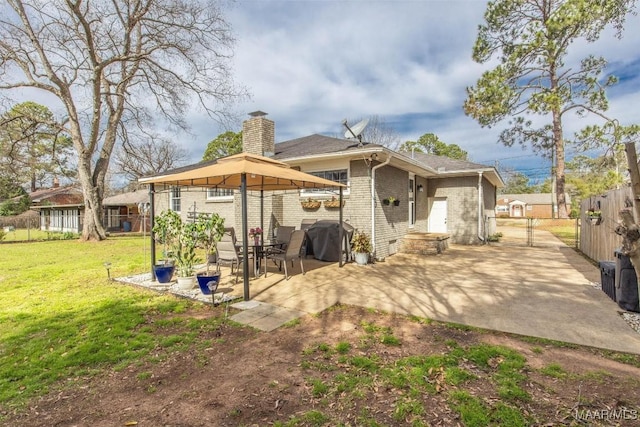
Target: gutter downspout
{"type": "Point", "coordinates": [480, 210]}
{"type": "Point", "coordinates": [373, 202]}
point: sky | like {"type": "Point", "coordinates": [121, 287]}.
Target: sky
{"type": "Point", "coordinates": [310, 64]}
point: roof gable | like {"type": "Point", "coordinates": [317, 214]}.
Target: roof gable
{"type": "Point", "coordinates": [126, 199]}
{"type": "Point", "coordinates": [446, 164]}
{"type": "Point", "coordinates": [307, 148]}
{"type": "Point", "coordinates": [317, 144]}
{"type": "Point", "coordinates": [313, 145]}
{"type": "Point", "coordinates": [57, 196]}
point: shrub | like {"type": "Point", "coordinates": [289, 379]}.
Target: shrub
{"type": "Point", "coordinates": [360, 242]}
{"type": "Point", "coordinates": [494, 237]}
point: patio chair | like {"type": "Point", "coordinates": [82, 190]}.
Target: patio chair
{"type": "Point", "coordinates": [293, 252]}
{"type": "Point", "coordinates": [282, 235]}
{"type": "Point", "coordinates": [229, 253]}
{"type": "Point", "coordinates": [279, 243]}
{"type": "Point", "coordinates": [229, 234]}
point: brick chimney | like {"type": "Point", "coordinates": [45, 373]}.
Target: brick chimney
{"type": "Point", "coordinates": [258, 134]}
{"type": "Point", "coordinates": [56, 182]}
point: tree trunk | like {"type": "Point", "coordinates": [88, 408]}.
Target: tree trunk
{"type": "Point", "coordinates": [92, 227]}
{"type": "Point", "coordinates": [558, 143]}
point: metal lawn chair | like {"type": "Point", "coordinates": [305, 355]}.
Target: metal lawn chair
{"type": "Point", "coordinates": [291, 253]}
{"type": "Point", "coordinates": [229, 253]}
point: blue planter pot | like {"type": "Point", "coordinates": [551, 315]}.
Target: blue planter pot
{"type": "Point", "coordinates": [208, 284]}
{"type": "Point", "coordinates": [164, 273]}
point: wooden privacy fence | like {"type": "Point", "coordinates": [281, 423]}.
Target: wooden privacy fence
{"type": "Point", "coordinates": [598, 240]}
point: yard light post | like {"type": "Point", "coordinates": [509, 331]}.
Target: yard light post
{"type": "Point", "coordinates": [107, 265]}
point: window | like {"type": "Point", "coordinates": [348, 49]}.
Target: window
{"type": "Point", "coordinates": [217, 193]}
{"type": "Point", "coordinates": [175, 199]}
{"type": "Point", "coordinates": [339, 175]}
{"type": "Point", "coordinates": [113, 217]}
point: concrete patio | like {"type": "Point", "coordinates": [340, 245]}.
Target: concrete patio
{"type": "Point", "coordinates": [545, 291]}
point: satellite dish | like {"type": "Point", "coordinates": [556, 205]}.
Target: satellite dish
{"type": "Point", "coordinates": [356, 130]}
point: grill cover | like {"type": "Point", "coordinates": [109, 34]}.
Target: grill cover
{"type": "Point", "coordinates": [323, 237]}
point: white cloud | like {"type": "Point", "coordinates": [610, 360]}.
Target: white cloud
{"type": "Point", "coordinates": [310, 64]}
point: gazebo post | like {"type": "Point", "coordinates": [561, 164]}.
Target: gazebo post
{"type": "Point", "coordinates": [262, 211]}
{"type": "Point", "coordinates": [151, 233]}
{"type": "Point", "coordinates": [245, 234]}
{"type": "Point", "coordinates": [340, 230]}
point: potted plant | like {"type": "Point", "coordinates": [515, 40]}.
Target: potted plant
{"type": "Point", "coordinates": [185, 253]}
{"type": "Point", "coordinates": [310, 203]}
{"type": "Point", "coordinates": [255, 234]}
{"type": "Point", "coordinates": [181, 240]}
{"type": "Point", "coordinates": [333, 203]}
{"type": "Point", "coordinates": [209, 229]}
{"type": "Point", "coordinates": [361, 247]}
{"type": "Point", "coordinates": [391, 201]}
{"type": "Point", "coordinates": [165, 228]}
{"type": "Point", "coordinates": [594, 216]}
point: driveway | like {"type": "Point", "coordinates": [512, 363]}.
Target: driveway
{"type": "Point", "coordinates": [546, 291]}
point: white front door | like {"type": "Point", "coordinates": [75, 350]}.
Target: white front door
{"type": "Point", "coordinates": [438, 215]}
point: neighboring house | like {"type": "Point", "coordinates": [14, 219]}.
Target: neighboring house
{"type": "Point", "coordinates": [436, 194]}
{"type": "Point", "coordinates": [535, 205]}
{"type": "Point", "coordinates": [122, 211]}
{"type": "Point", "coordinates": [60, 208]}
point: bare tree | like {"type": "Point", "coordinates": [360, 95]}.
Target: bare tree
{"type": "Point", "coordinates": [135, 160]}
{"type": "Point", "coordinates": [376, 131]}
{"type": "Point", "coordinates": [115, 64]}
{"type": "Point", "coordinates": [379, 132]}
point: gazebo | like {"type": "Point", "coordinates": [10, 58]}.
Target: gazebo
{"type": "Point", "coordinates": [246, 172]}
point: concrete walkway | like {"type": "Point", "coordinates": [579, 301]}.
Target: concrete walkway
{"type": "Point", "coordinates": [545, 291]}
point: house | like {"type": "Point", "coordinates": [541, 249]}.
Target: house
{"type": "Point", "coordinates": [535, 205]}
{"type": "Point", "coordinates": [59, 208]}
{"type": "Point", "coordinates": [122, 211]}
{"type": "Point", "coordinates": [433, 194]}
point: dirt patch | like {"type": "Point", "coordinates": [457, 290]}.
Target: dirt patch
{"type": "Point", "coordinates": [349, 366]}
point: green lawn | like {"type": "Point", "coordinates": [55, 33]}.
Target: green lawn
{"type": "Point", "coordinates": [61, 318]}
{"type": "Point", "coordinates": [564, 230]}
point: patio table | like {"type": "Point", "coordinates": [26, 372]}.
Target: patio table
{"type": "Point", "coordinates": [258, 252]}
